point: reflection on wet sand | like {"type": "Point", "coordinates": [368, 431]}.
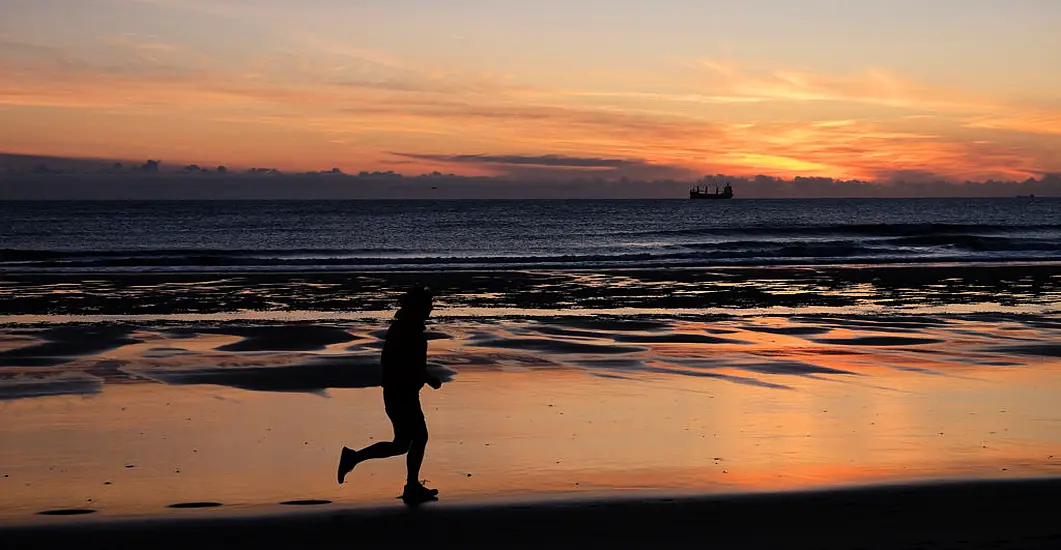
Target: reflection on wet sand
{"type": "Point", "coordinates": [311, 358]}
{"type": "Point", "coordinates": [234, 414]}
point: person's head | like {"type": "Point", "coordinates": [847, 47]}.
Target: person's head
{"type": "Point", "coordinates": [416, 303]}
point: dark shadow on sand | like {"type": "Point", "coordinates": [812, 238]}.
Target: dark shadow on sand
{"type": "Point", "coordinates": [285, 338]}
{"type": "Point", "coordinates": [341, 372]}
{"type": "Point", "coordinates": [790, 331]}
{"type": "Point", "coordinates": [316, 375]}
{"type": "Point", "coordinates": [553, 346]}
{"type": "Point", "coordinates": [495, 360]}
{"type": "Point", "coordinates": [431, 335]}
{"type": "Point", "coordinates": [561, 331]}
{"type": "Point", "coordinates": [632, 337]}
{"type": "Point", "coordinates": [727, 377]}
{"type": "Point", "coordinates": [624, 368]}
{"type": "Point", "coordinates": [674, 338]}
{"type": "Point", "coordinates": [621, 364]}
{"type": "Point", "coordinates": [879, 341]}
{"type": "Point", "coordinates": [610, 376]}
{"type": "Point", "coordinates": [918, 370]}
{"type": "Point", "coordinates": [1038, 350]}
{"type": "Point", "coordinates": [913, 322]}
{"type": "Point", "coordinates": [23, 386]}
{"type": "Point", "coordinates": [163, 353]}
{"type": "Point", "coordinates": [194, 505]}
{"type": "Point", "coordinates": [610, 324]}
{"type": "Point", "coordinates": [62, 344]}
{"type": "Point", "coordinates": [1039, 322]}
{"type": "Point", "coordinates": [793, 368]}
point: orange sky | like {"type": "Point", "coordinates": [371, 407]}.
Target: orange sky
{"type": "Point", "coordinates": [877, 91]}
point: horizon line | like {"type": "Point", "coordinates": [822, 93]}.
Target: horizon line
{"type": "Point", "coordinates": [580, 174]}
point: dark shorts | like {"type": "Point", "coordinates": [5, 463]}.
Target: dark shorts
{"type": "Point", "coordinates": [403, 408]}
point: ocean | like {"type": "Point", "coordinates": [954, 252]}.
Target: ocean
{"type": "Point", "coordinates": [88, 237]}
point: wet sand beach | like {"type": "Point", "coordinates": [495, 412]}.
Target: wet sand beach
{"type": "Point", "coordinates": [909, 405]}
{"type": "Point", "coordinates": [129, 420]}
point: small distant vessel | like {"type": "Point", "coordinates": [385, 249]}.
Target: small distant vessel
{"type": "Point", "coordinates": [723, 193]}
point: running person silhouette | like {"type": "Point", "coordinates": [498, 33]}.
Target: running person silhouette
{"type": "Point", "coordinates": [404, 360]}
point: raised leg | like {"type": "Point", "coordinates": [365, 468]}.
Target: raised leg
{"type": "Point", "coordinates": [348, 459]}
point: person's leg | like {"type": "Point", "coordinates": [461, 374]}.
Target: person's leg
{"type": "Point", "coordinates": [383, 449]}
{"type": "Point", "coordinates": [348, 458]}
{"type": "Point", "coordinates": [415, 458]}
{"type": "Point", "coordinates": [418, 433]}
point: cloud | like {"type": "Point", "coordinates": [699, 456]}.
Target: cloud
{"type": "Point", "coordinates": [141, 44]}
{"type": "Point", "coordinates": [672, 97]}
{"type": "Point", "coordinates": [217, 9]}
{"type": "Point", "coordinates": [314, 47]}
{"type": "Point", "coordinates": [909, 176]}
{"type": "Point", "coordinates": [10, 46]}
{"type": "Point", "coordinates": [871, 86]}
{"type": "Point", "coordinates": [561, 166]}
{"type": "Point", "coordinates": [1031, 122]}
{"type": "Point", "coordinates": [22, 61]}
{"type": "Point", "coordinates": [147, 52]}
{"type": "Point", "coordinates": [539, 160]}
{"type": "Point", "coordinates": [20, 162]}
{"type": "Point", "coordinates": [515, 181]}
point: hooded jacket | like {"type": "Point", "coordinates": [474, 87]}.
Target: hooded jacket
{"type": "Point", "coordinates": [404, 356]}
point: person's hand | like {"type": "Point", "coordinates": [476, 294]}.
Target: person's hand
{"type": "Point", "coordinates": [434, 382]}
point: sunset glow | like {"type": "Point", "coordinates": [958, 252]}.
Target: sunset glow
{"type": "Point", "coordinates": [871, 90]}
